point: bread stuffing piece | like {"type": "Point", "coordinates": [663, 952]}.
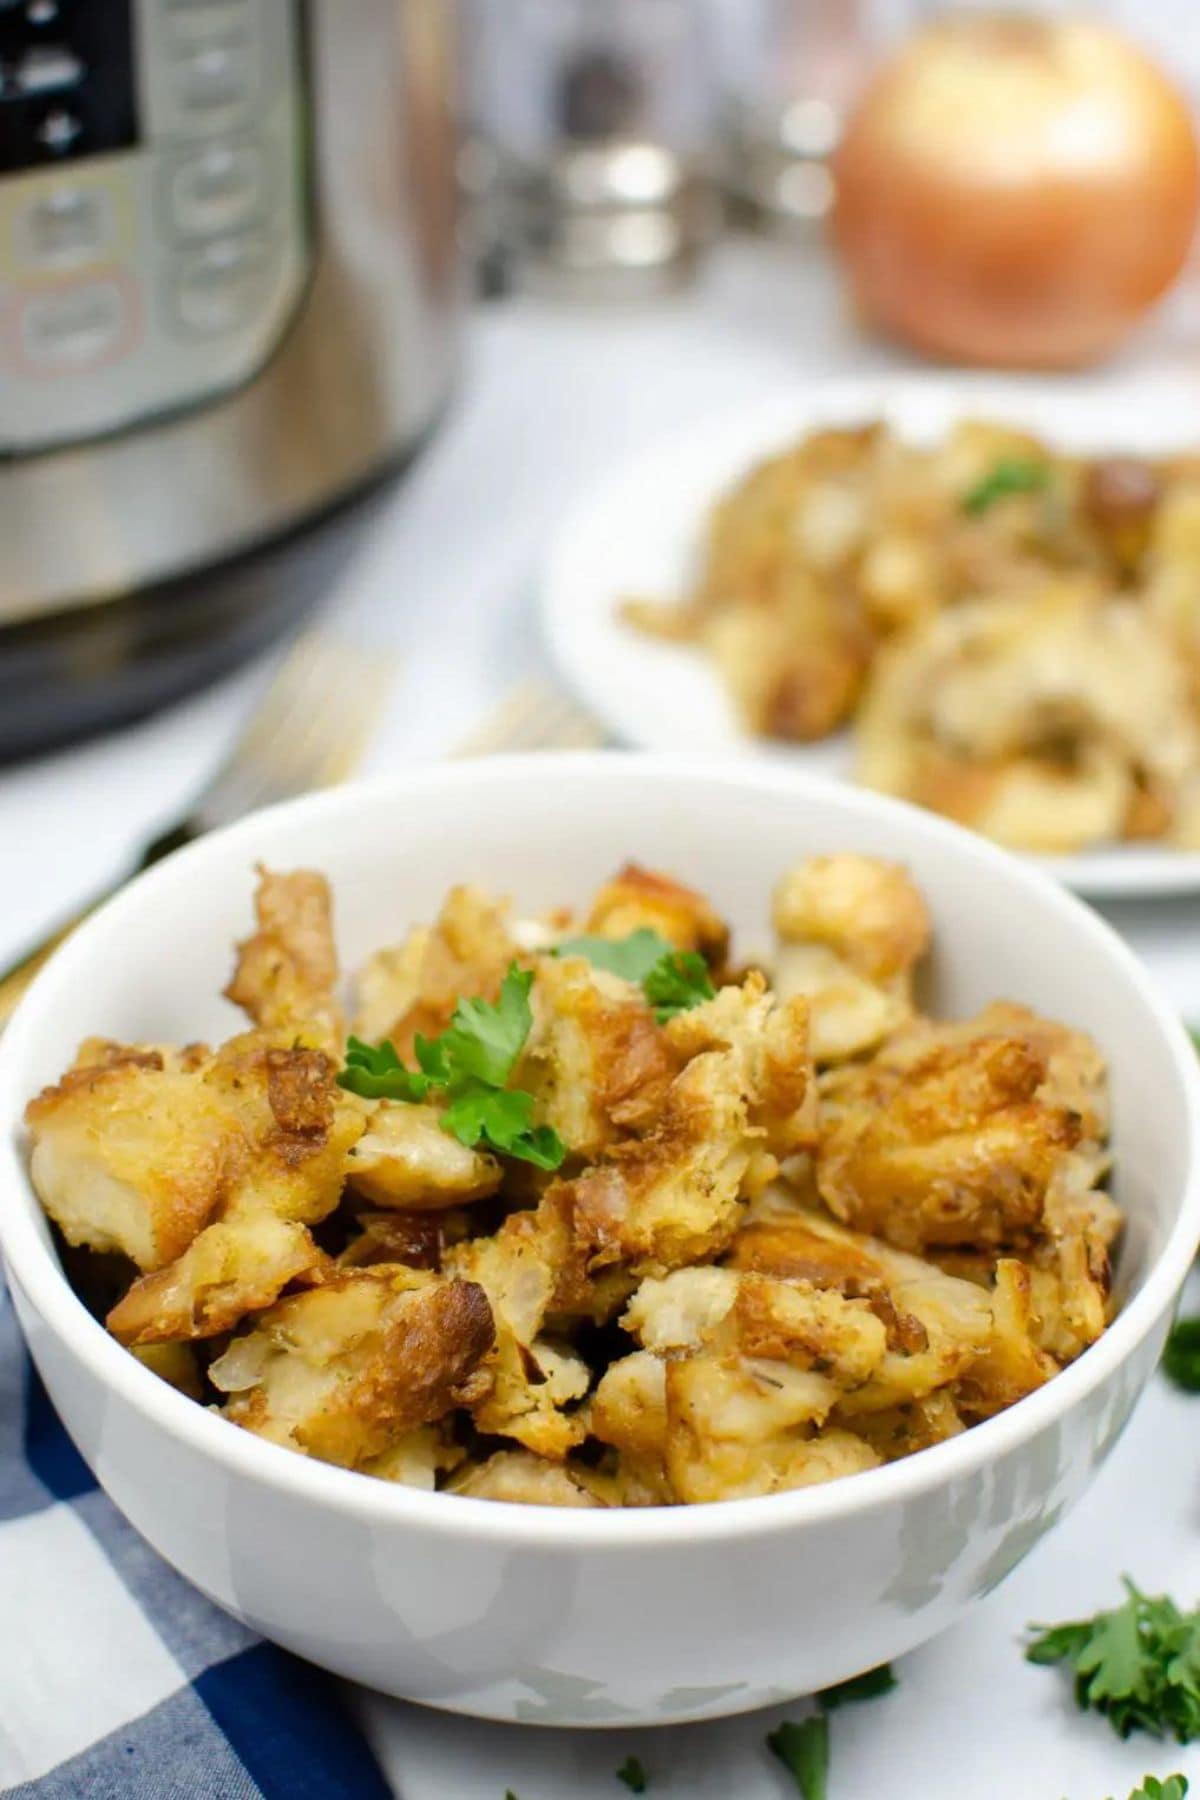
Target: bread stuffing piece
{"type": "Point", "coordinates": [955, 1150]}
{"type": "Point", "coordinates": [519, 1475]}
{"type": "Point", "coordinates": [347, 1371]}
{"type": "Point", "coordinates": [639, 899]}
{"type": "Point", "coordinates": [596, 1061]}
{"type": "Point", "coordinates": [587, 1215]}
{"type": "Point", "coordinates": [936, 1326]}
{"type": "Point", "coordinates": [287, 972]}
{"type": "Point", "coordinates": [419, 1458]}
{"type": "Point", "coordinates": [533, 1381]}
{"type": "Point", "coordinates": [744, 1412]}
{"type": "Point", "coordinates": [1010, 632]}
{"type": "Point", "coordinates": [230, 1269]}
{"type": "Point", "coordinates": [851, 929]}
{"type": "Point", "coordinates": [405, 1159]}
{"type": "Point", "coordinates": [674, 1194]}
{"type": "Point", "coordinates": [291, 1132]}
{"type": "Point", "coordinates": [737, 1373]}
{"type": "Point", "coordinates": [130, 1156]}
{"type": "Point", "coordinates": [1043, 721]}
{"type": "Point", "coordinates": [416, 986]}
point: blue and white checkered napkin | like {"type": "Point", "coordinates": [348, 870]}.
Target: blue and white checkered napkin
{"type": "Point", "coordinates": [118, 1681]}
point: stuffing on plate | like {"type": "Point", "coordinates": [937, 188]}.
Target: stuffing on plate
{"type": "Point", "coordinates": [581, 1211]}
{"type": "Point", "coordinates": [1012, 632]}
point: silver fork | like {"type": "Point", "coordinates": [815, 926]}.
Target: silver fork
{"type": "Point", "coordinates": [534, 716]}
{"type": "Point", "coordinates": [308, 731]}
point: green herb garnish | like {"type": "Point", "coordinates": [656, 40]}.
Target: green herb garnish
{"type": "Point", "coordinates": [803, 1750]}
{"type": "Point", "coordinates": [633, 1775]}
{"type": "Point", "coordinates": [677, 983]}
{"type": "Point", "coordinates": [376, 1072]}
{"type": "Point", "coordinates": [1181, 1358]}
{"type": "Point", "coordinates": [632, 957]}
{"type": "Point", "coordinates": [1139, 1664]}
{"type": "Point", "coordinates": [672, 980]}
{"type": "Point", "coordinates": [1172, 1787]}
{"type": "Point", "coordinates": [468, 1065]}
{"type": "Point", "coordinates": [1011, 475]}
{"type": "Point", "coordinates": [868, 1686]}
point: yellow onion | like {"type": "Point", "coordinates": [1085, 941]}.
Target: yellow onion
{"type": "Point", "coordinates": [1015, 190]}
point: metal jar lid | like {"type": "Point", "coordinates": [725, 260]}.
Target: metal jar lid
{"type": "Point", "coordinates": [779, 161]}
{"type": "Point", "coordinates": [612, 219]}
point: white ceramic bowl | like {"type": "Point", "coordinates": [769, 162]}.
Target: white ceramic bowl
{"type": "Point", "coordinates": [597, 1618]}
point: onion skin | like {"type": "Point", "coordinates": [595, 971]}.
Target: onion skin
{"type": "Point", "coordinates": [1015, 191]}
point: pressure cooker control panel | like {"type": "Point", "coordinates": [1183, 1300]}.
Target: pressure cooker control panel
{"type": "Point", "coordinates": [154, 206]}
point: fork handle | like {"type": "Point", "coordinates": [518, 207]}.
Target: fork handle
{"type": "Point", "coordinates": [20, 976]}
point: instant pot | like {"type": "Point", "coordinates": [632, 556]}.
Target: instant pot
{"type": "Point", "coordinates": [229, 299]}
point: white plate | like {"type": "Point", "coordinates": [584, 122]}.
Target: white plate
{"type": "Point", "coordinates": [636, 533]}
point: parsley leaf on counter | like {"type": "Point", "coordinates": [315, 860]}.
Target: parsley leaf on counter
{"type": "Point", "coordinates": [803, 1749]}
{"type": "Point", "coordinates": [469, 1064]}
{"type": "Point", "coordinates": [1173, 1787]}
{"type": "Point", "coordinates": [672, 980]}
{"type": "Point", "coordinates": [1181, 1358]}
{"type": "Point", "coordinates": [1139, 1664]}
{"type": "Point", "coordinates": [868, 1686]}
{"type": "Point", "coordinates": [633, 1775]}
{"type": "Point", "coordinates": [1010, 475]}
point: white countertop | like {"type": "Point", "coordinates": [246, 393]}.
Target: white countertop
{"type": "Point", "coordinates": [551, 397]}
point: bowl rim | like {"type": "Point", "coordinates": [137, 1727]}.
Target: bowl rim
{"type": "Point", "coordinates": [34, 1268]}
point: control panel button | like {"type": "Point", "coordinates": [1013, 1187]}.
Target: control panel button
{"type": "Point", "coordinates": [67, 225]}
{"type": "Point", "coordinates": [192, 22]}
{"type": "Point", "coordinates": [214, 86]}
{"type": "Point", "coordinates": [67, 330]}
{"type": "Point", "coordinates": [44, 69]}
{"type": "Point", "coordinates": [59, 131]}
{"type": "Point", "coordinates": [223, 286]}
{"type": "Point", "coordinates": [219, 190]}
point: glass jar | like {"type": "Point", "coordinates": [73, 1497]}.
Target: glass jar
{"type": "Point", "coordinates": [600, 116]}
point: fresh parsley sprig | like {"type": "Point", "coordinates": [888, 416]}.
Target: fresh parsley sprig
{"type": "Point", "coordinates": [633, 1774]}
{"type": "Point", "coordinates": [1010, 475]}
{"type": "Point", "coordinates": [376, 1072]}
{"type": "Point", "coordinates": [1139, 1664]}
{"type": "Point", "coordinates": [672, 980]}
{"type": "Point", "coordinates": [869, 1686]}
{"type": "Point", "coordinates": [803, 1749]}
{"type": "Point", "coordinates": [1171, 1787]}
{"type": "Point", "coordinates": [1181, 1358]}
{"type": "Point", "coordinates": [677, 983]}
{"type": "Point", "coordinates": [632, 957]}
{"type": "Point", "coordinates": [468, 1066]}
